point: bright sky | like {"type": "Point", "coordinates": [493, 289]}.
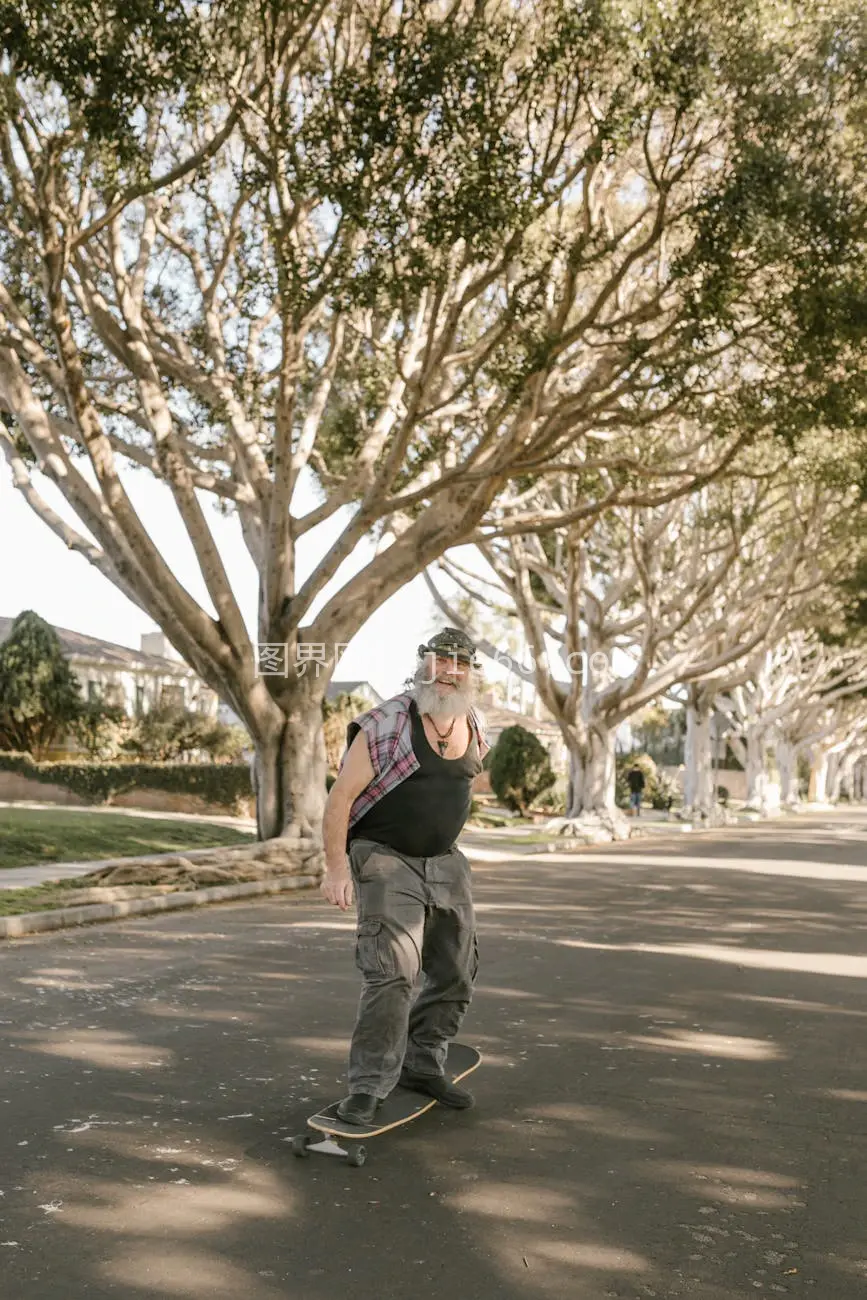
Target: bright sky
{"type": "Point", "coordinates": [39, 573]}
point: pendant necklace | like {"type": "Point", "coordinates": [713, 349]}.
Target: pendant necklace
{"type": "Point", "coordinates": [443, 742]}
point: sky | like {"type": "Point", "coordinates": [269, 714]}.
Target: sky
{"type": "Point", "coordinates": [39, 573]}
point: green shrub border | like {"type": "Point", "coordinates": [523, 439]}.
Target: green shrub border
{"type": "Point", "coordinates": [223, 784]}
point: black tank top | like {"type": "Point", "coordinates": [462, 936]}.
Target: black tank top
{"type": "Point", "coordinates": [425, 814]}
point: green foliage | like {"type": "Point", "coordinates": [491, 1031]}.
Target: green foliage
{"type": "Point", "coordinates": [622, 764]}
{"type": "Point", "coordinates": [520, 769]}
{"type": "Point", "coordinates": [225, 784]}
{"type": "Point", "coordinates": [101, 729]}
{"type": "Point", "coordinates": [164, 735]}
{"type": "Point", "coordinates": [108, 59]}
{"type": "Point", "coordinates": [662, 792]}
{"type": "Point", "coordinates": [660, 733]}
{"type": "Point", "coordinates": [336, 715]}
{"type": "Point", "coordinates": [40, 697]}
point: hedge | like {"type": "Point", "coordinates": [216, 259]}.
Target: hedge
{"type": "Point", "coordinates": [224, 784]}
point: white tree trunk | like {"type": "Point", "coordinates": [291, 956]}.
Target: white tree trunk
{"type": "Point", "coordinates": [818, 792]}
{"type": "Point", "coordinates": [591, 774]}
{"type": "Point", "coordinates": [835, 776]}
{"type": "Point", "coordinates": [698, 787]}
{"type": "Point", "coordinates": [787, 763]}
{"type": "Point", "coordinates": [755, 774]}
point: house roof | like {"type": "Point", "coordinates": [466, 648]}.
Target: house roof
{"type": "Point", "coordinates": [498, 719]}
{"type": "Point", "coordinates": [76, 644]}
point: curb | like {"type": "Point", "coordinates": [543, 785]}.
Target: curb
{"type": "Point", "coordinates": [66, 917]}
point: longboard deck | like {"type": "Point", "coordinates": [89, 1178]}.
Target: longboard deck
{"type": "Point", "coordinates": [401, 1105]}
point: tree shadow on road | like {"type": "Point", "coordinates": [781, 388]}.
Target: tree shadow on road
{"type": "Point", "coordinates": [672, 1101]}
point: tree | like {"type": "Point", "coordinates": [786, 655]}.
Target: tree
{"type": "Point", "coordinates": [417, 255]}
{"type": "Point", "coordinates": [798, 696]}
{"type": "Point", "coordinates": [40, 697]}
{"type": "Point", "coordinates": [520, 769]}
{"type": "Point", "coordinates": [101, 728]}
{"type": "Point", "coordinates": [639, 602]}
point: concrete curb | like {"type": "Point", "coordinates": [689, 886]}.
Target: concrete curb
{"type": "Point", "coordinates": [65, 917]}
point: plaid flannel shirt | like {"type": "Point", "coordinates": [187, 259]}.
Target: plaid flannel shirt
{"type": "Point", "coordinates": [389, 742]}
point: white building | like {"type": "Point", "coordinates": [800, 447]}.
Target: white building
{"type": "Point", "coordinates": [138, 680]}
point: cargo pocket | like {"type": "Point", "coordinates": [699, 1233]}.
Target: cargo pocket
{"type": "Point", "coordinates": [373, 954]}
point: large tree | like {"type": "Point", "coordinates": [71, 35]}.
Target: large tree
{"type": "Point", "coordinates": [415, 254]}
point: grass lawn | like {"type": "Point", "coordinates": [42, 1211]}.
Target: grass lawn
{"type": "Point", "coordinates": [38, 898]}
{"type": "Point", "coordinates": [29, 836]}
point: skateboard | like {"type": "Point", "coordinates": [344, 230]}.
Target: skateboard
{"type": "Point", "coordinates": [399, 1107]}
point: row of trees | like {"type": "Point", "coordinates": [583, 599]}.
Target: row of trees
{"type": "Point", "coordinates": [567, 281]}
{"type": "Point", "coordinates": [734, 601]}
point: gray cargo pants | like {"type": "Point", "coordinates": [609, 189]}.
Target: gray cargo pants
{"type": "Point", "coordinates": [414, 915]}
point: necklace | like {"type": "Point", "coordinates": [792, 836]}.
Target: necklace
{"type": "Point", "coordinates": [443, 742]}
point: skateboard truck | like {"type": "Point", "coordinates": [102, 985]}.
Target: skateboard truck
{"type": "Point", "coordinates": [305, 1143]}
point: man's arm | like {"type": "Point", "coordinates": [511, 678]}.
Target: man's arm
{"type": "Point", "coordinates": [355, 775]}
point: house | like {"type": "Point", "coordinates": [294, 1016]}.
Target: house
{"type": "Point", "coordinates": [138, 680]}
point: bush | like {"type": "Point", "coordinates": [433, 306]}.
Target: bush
{"type": "Point", "coordinates": [661, 791]}
{"type": "Point", "coordinates": [520, 769]}
{"type": "Point", "coordinates": [336, 717]}
{"type": "Point", "coordinates": [723, 795]}
{"type": "Point", "coordinates": [167, 734]}
{"type": "Point", "coordinates": [102, 729]}
{"type": "Point", "coordinates": [226, 784]}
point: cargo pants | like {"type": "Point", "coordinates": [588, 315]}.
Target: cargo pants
{"type": "Point", "coordinates": [415, 916]}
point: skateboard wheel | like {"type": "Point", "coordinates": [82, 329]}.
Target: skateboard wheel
{"type": "Point", "coordinates": [300, 1145]}
{"type": "Point", "coordinates": [357, 1157]}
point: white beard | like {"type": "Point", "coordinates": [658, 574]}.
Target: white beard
{"type": "Point", "coordinates": [441, 702]}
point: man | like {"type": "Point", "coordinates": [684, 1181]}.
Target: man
{"type": "Point", "coordinates": [399, 802]}
{"type": "Point", "coordinates": [635, 777]}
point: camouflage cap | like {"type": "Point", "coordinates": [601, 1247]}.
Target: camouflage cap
{"type": "Point", "coordinates": [451, 642]}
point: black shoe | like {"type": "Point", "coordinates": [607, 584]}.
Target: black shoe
{"type": "Point", "coordinates": [438, 1087]}
{"type": "Point", "coordinates": [358, 1108]}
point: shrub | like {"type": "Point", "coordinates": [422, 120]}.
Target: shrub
{"type": "Point", "coordinates": [520, 769]}
{"type": "Point", "coordinates": [661, 791]}
{"type": "Point", "coordinates": [226, 784]}
{"type": "Point", "coordinates": [101, 729]}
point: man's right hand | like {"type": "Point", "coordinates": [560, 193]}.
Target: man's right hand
{"type": "Point", "coordinates": [336, 887]}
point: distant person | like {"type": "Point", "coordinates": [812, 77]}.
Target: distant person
{"type": "Point", "coordinates": [635, 777]}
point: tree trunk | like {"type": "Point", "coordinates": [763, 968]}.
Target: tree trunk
{"type": "Point", "coordinates": [787, 763]}
{"type": "Point", "coordinates": [835, 777]}
{"type": "Point", "coordinates": [591, 774]}
{"type": "Point", "coordinates": [756, 776]}
{"type": "Point", "coordinates": [289, 772]}
{"type": "Point", "coordinates": [818, 792]}
{"type": "Point", "coordinates": [698, 787]}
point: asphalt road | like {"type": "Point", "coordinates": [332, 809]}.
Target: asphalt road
{"type": "Point", "coordinates": [673, 1100]}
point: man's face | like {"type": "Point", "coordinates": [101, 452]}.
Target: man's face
{"type": "Point", "coordinates": [449, 672]}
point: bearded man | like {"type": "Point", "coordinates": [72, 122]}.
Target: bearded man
{"type": "Point", "coordinates": [392, 819]}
